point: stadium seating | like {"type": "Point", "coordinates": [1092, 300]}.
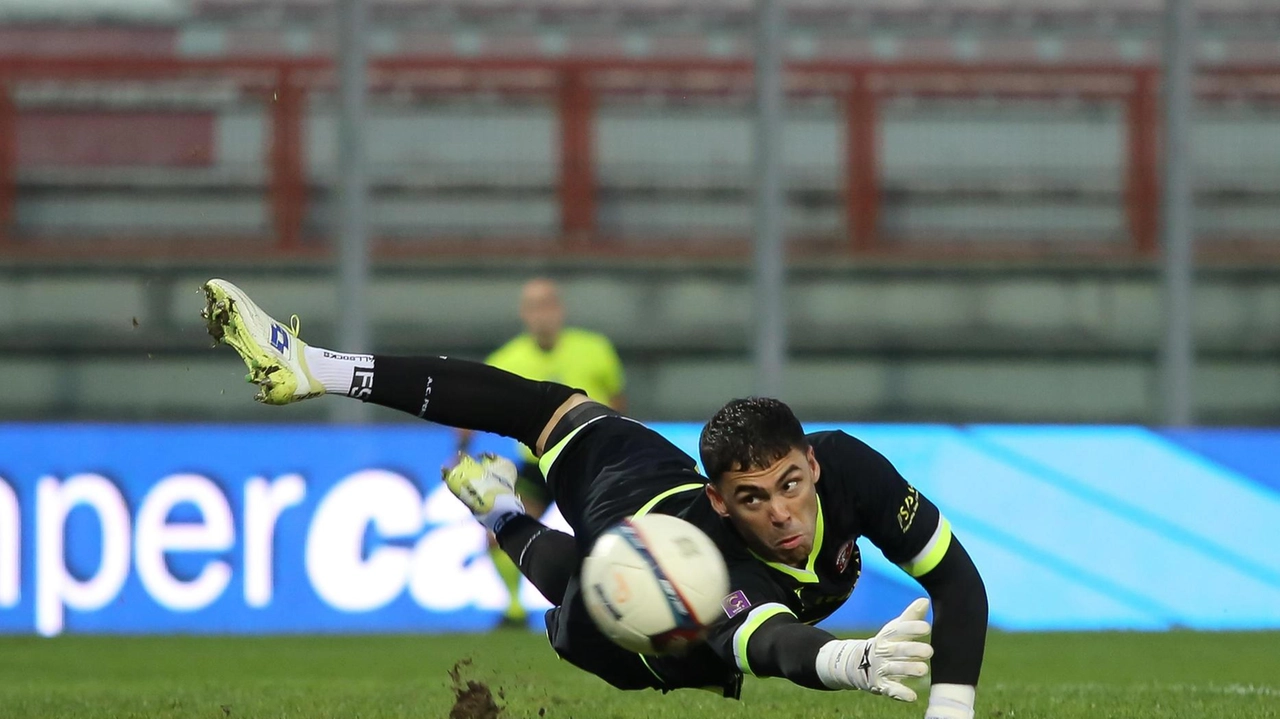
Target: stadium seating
{"type": "Point", "coordinates": [186, 164]}
{"type": "Point", "coordinates": [667, 163]}
{"type": "Point", "coordinates": [1044, 30]}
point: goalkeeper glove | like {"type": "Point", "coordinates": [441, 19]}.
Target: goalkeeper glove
{"type": "Point", "coordinates": [878, 664]}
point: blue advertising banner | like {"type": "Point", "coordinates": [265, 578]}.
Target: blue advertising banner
{"type": "Point", "coordinates": [271, 529]}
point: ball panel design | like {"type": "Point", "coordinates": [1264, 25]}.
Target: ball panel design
{"type": "Point", "coordinates": [653, 583]}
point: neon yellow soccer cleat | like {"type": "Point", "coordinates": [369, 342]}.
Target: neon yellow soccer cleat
{"type": "Point", "coordinates": [482, 484]}
{"type": "Point", "coordinates": [271, 350]}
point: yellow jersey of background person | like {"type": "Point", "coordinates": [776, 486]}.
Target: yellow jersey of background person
{"type": "Point", "coordinates": [580, 358]}
{"type": "Point", "coordinates": [550, 352]}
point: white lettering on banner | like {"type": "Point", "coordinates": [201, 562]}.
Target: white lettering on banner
{"type": "Point", "coordinates": [215, 532]}
{"type": "Point", "coordinates": [429, 546]}
{"type": "Point", "coordinates": [458, 552]}
{"type": "Point", "coordinates": [458, 549]}
{"type": "Point", "coordinates": [10, 546]}
{"type": "Point", "coordinates": [56, 588]}
{"type": "Point", "coordinates": [555, 520]}
{"type": "Point", "coordinates": [335, 563]}
{"type": "Point", "coordinates": [263, 503]}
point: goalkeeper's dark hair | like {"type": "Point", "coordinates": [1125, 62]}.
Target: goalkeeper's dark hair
{"type": "Point", "coordinates": [750, 433]}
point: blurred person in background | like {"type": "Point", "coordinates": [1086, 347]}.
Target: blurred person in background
{"type": "Point", "coordinates": [547, 351]}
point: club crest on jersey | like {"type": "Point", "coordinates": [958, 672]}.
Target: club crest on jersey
{"type": "Point", "coordinates": [843, 556]}
{"type": "Point", "coordinates": [735, 604]}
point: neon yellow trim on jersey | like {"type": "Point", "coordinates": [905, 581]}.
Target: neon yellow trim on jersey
{"type": "Point", "coordinates": [674, 490]}
{"type": "Point", "coordinates": [806, 575]}
{"type": "Point", "coordinates": [550, 456]}
{"type": "Point", "coordinates": [941, 541]}
{"type": "Point", "coordinates": [743, 636]}
{"type": "Point", "coordinates": [645, 662]}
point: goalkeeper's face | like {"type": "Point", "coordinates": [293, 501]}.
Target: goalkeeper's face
{"type": "Point", "coordinates": [774, 508]}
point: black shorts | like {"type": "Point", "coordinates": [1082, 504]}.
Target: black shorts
{"type": "Point", "coordinates": [611, 469]}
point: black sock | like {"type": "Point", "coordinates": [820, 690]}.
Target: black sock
{"type": "Point", "coordinates": [548, 558]}
{"type": "Point", "coordinates": [467, 395]}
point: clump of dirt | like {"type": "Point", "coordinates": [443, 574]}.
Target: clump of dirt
{"type": "Point", "coordinates": [472, 699]}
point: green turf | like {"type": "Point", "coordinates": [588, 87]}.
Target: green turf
{"type": "Point", "coordinates": [1058, 676]}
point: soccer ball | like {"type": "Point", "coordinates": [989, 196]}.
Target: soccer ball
{"type": "Point", "coordinates": [652, 584]}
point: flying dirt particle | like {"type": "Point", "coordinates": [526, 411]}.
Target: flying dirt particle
{"type": "Point", "coordinates": [472, 699]}
{"type": "Point", "coordinates": [135, 323]}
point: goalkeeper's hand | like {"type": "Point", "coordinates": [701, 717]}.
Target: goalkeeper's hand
{"type": "Point", "coordinates": [879, 664]}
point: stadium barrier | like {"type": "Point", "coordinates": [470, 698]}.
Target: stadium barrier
{"type": "Point", "coordinates": [102, 103]}
{"type": "Point", "coordinates": [279, 529]}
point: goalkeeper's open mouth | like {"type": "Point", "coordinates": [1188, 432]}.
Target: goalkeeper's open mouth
{"type": "Point", "coordinates": [790, 542]}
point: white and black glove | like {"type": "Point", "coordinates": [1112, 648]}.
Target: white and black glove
{"type": "Point", "coordinates": [879, 664]}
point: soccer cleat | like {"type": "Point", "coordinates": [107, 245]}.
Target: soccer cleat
{"type": "Point", "coordinates": [484, 485]}
{"type": "Point", "coordinates": [271, 350]}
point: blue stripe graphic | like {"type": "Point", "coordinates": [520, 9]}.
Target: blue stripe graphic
{"type": "Point", "coordinates": [339, 529]}
{"type": "Point", "coordinates": [1252, 453]}
{"type": "Point", "coordinates": [1127, 511]}
{"type": "Point", "coordinates": [684, 618]}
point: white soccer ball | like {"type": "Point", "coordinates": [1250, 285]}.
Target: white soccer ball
{"type": "Point", "coordinates": [653, 583]}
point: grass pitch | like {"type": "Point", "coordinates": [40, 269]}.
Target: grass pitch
{"type": "Point", "coordinates": [1055, 676]}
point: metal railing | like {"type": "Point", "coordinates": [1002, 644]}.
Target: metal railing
{"type": "Point", "coordinates": [577, 90]}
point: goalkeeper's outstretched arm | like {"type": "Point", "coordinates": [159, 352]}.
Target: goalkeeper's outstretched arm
{"type": "Point", "coordinates": [959, 632]}
{"type": "Point", "coordinates": [772, 642]}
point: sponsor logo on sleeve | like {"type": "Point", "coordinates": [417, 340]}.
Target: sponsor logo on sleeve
{"type": "Point", "coordinates": [907, 512]}
{"type": "Point", "coordinates": [735, 604]}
